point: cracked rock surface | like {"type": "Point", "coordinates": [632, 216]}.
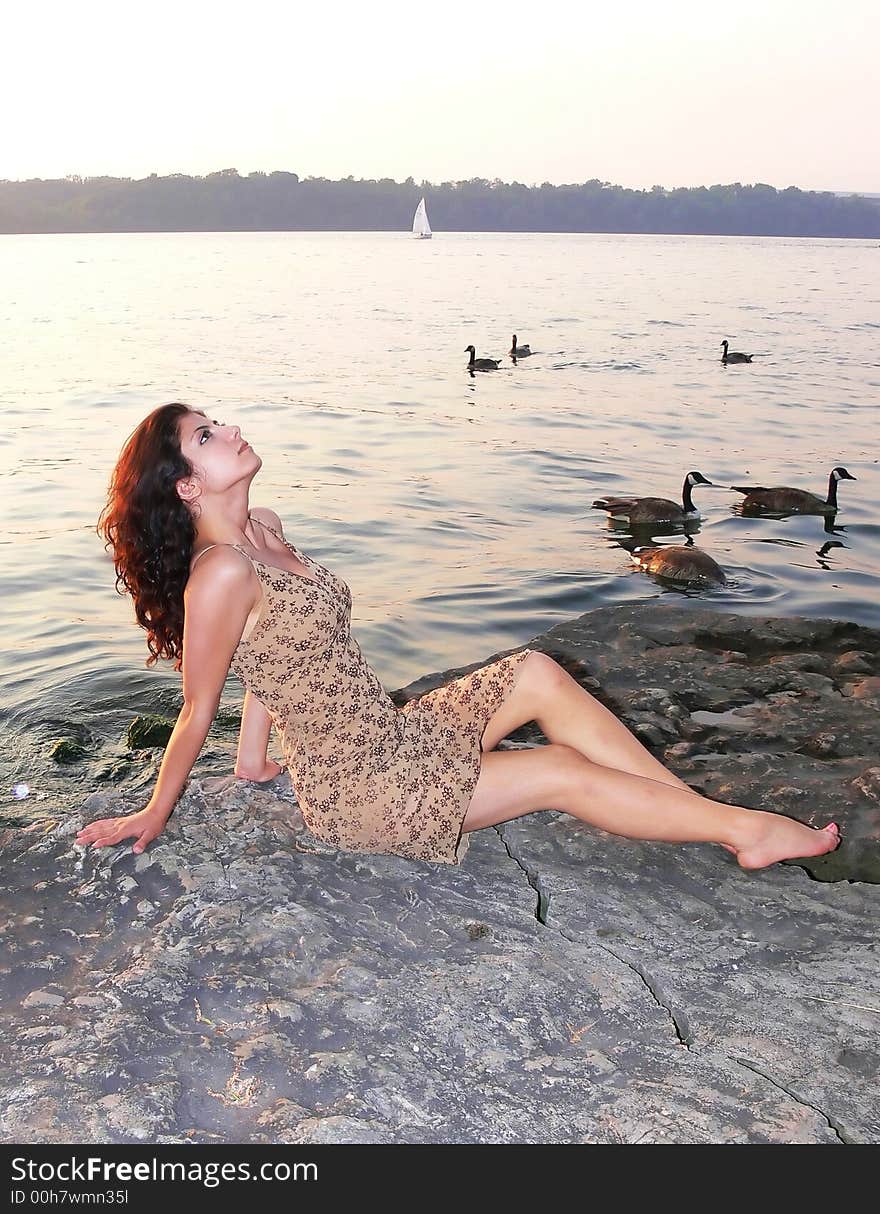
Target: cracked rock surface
{"type": "Point", "coordinates": [243, 982]}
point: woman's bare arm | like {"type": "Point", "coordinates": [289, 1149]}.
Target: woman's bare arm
{"type": "Point", "coordinates": [218, 601]}
{"type": "Point", "coordinates": [252, 761]}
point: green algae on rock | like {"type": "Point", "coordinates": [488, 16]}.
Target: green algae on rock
{"type": "Point", "coordinates": [149, 729]}
{"type": "Point", "coordinates": [67, 750]}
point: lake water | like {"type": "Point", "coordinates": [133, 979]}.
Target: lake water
{"type": "Point", "coordinates": [457, 507]}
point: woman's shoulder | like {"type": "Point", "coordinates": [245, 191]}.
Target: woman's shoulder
{"type": "Point", "coordinates": [217, 566]}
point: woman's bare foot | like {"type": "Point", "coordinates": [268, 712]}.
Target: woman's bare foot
{"type": "Point", "coordinates": [780, 838]}
{"type": "Point", "coordinates": [269, 772]}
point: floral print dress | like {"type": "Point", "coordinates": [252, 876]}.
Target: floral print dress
{"type": "Point", "coordinates": [369, 776]}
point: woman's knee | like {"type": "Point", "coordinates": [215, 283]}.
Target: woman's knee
{"type": "Point", "coordinates": [570, 772]}
{"type": "Point", "coordinates": [543, 677]}
{"type": "Point", "coordinates": [515, 782]}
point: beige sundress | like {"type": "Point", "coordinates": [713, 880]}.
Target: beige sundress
{"type": "Point", "coordinates": [368, 776]}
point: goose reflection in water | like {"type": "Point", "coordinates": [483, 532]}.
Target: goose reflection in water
{"type": "Point", "coordinates": [621, 528]}
{"type": "Point", "coordinates": [822, 552]}
{"type": "Point", "coordinates": [832, 528]}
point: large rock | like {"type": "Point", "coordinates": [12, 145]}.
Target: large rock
{"type": "Point", "coordinates": [243, 982]}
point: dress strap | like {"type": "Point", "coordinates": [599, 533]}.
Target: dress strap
{"type": "Point", "coordinates": [202, 553]}
{"type": "Point", "coordinates": [237, 548]}
{"type": "Point", "coordinates": [266, 525]}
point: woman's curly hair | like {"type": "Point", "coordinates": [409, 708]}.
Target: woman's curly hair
{"type": "Point", "coordinates": [151, 530]}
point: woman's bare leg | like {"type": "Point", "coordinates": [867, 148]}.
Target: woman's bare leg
{"type": "Point", "coordinates": [513, 783]}
{"type": "Point", "coordinates": [570, 716]}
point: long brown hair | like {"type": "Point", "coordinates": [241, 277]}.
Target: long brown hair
{"type": "Point", "coordinates": [150, 529]}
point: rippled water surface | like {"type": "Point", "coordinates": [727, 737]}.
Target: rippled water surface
{"type": "Point", "coordinates": [457, 507]}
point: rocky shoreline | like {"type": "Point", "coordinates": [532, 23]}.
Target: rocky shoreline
{"type": "Point", "coordinates": [242, 982]}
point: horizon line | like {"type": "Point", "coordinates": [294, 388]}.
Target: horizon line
{"type": "Point", "coordinates": [80, 178]}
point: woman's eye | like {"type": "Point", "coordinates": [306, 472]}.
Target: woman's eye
{"type": "Point", "coordinates": [204, 434]}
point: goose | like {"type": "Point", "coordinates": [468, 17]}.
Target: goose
{"type": "Point", "coordinates": [642, 510]}
{"type": "Point", "coordinates": [518, 351]}
{"type": "Point", "coordinates": [481, 364]}
{"type": "Point", "coordinates": [784, 500]}
{"type": "Point", "coordinates": [680, 563]}
{"type": "Point", "coordinates": [734, 356]}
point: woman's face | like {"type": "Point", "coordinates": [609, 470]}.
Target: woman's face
{"type": "Point", "coordinates": [219, 455]}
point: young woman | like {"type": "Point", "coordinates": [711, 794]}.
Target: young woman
{"type": "Point", "coordinates": [217, 587]}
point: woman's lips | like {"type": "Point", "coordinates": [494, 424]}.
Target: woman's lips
{"type": "Point", "coordinates": [243, 447]}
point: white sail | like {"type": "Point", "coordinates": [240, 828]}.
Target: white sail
{"type": "Point", "coordinates": [421, 227]}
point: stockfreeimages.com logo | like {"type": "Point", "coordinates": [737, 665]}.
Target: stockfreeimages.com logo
{"type": "Point", "coordinates": [108, 1171]}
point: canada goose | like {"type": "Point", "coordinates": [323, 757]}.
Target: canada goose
{"type": "Point", "coordinates": [481, 364]}
{"type": "Point", "coordinates": [734, 357]}
{"type": "Point", "coordinates": [518, 351]}
{"type": "Point", "coordinates": [783, 500]}
{"type": "Point", "coordinates": [680, 563]}
{"type": "Point", "coordinates": [642, 510]}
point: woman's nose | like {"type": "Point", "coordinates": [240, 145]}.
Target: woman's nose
{"type": "Point", "coordinates": [236, 433]}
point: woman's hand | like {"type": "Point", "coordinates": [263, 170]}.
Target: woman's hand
{"type": "Point", "coordinates": [145, 824]}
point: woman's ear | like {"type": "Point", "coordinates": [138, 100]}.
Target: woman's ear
{"type": "Point", "coordinates": [187, 490]}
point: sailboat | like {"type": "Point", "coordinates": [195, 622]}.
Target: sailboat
{"type": "Point", "coordinates": [421, 227]}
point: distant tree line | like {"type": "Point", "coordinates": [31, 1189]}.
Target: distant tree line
{"type": "Point", "coordinates": [226, 201]}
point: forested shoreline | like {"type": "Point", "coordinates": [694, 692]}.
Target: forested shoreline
{"type": "Point", "coordinates": [282, 201]}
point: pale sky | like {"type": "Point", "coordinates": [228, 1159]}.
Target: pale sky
{"type": "Point", "coordinates": [635, 92]}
